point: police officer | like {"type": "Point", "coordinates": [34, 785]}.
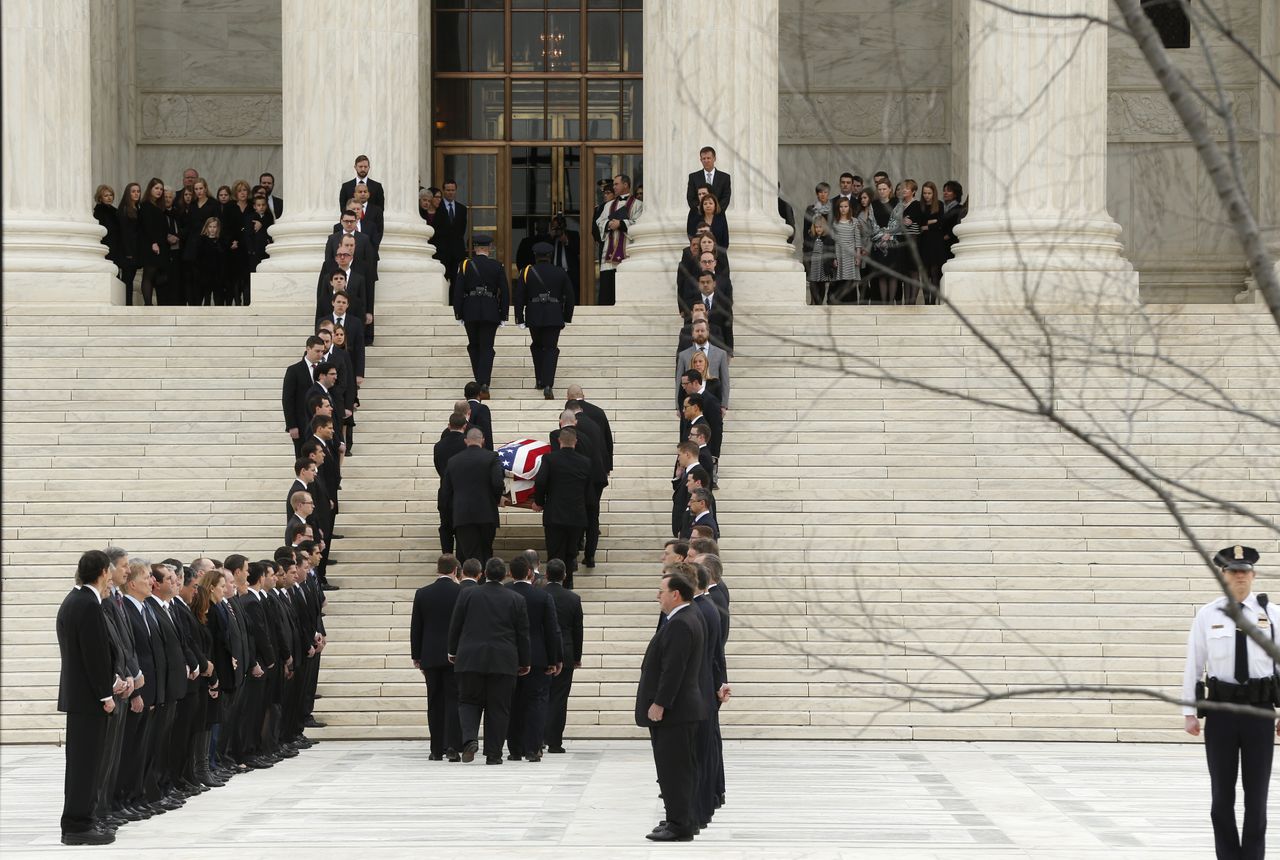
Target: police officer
{"type": "Point", "coordinates": [1242, 673]}
{"type": "Point", "coordinates": [481, 296]}
{"type": "Point", "coordinates": [544, 302]}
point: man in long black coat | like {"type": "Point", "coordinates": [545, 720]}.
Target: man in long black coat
{"type": "Point", "coordinates": [489, 649]}
{"type": "Point", "coordinates": [429, 648]}
{"type": "Point", "coordinates": [472, 486]}
{"type": "Point", "coordinates": [529, 704]}
{"type": "Point", "coordinates": [670, 704]}
{"type": "Point", "coordinates": [562, 490]}
{"type": "Point", "coordinates": [569, 617]}
{"type": "Point", "coordinates": [86, 688]}
{"type": "Point", "coordinates": [451, 442]}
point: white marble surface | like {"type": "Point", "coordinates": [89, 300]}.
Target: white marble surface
{"type": "Point", "coordinates": [917, 800]}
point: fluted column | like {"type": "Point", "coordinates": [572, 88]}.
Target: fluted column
{"type": "Point", "coordinates": [1037, 222]}
{"type": "Point", "coordinates": [342, 98]}
{"type": "Point", "coordinates": [1268, 140]}
{"type": "Point", "coordinates": [711, 79]}
{"type": "Point", "coordinates": [52, 248]}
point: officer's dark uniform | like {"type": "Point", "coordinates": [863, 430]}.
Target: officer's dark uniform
{"type": "Point", "coordinates": [543, 301]}
{"type": "Point", "coordinates": [480, 296]}
{"type": "Point", "coordinates": [1236, 745]}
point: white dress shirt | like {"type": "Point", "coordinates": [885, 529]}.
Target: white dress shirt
{"type": "Point", "coordinates": [1211, 646]}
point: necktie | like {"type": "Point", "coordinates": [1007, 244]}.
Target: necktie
{"type": "Point", "coordinates": [708, 177]}
{"type": "Point", "coordinates": [1242, 657]}
{"type": "Point", "coordinates": [702, 349]}
{"type": "Point", "coordinates": [148, 616]}
{"type": "Point", "coordinates": [450, 210]}
{"type": "Point", "coordinates": [119, 602]}
{"type": "Point", "coordinates": [707, 302]}
{"type": "Point", "coordinates": [340, 319]}
{"type": "Point", "coordinates": [360, 181]}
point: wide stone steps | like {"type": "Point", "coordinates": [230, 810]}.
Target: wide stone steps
{"type": "Point", "coordinates": [876, 534]}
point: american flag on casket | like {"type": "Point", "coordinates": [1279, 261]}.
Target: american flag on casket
{"type": "Point", "coordinates": [520, 461]}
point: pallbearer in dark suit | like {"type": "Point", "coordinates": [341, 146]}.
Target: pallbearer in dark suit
{"type": "Point", "coordinates": [670, 704]}
{"type": "Point", "coordinates": [480, 297]}
{"type": "Point", "coordinates": [596, 414]}
{"type": "Point", "coordinates": [714, 685]}
{"type": "Point", "coordinates": [86, 694]}
{"type": "Point", "coordinates": [429, 648]}
{"type": "Point", "coordinates": [562, 491]}
{"type": "Point", "coordinates": [544, 302]}
{"type": "Point", "coordinates": [140, 725]}
{"type": "Point", "coordinates": [569, 617]}
{"type": "Point", "coordinates": [121, 632]}
{"type": "Point", "coordinates": [451, 442]}
{"type": "Point", "coordinates": [529, 704]}
{"type": "Point", "coordinates": [473, 484]}
{"type": "Point", "coordinates": [450, 224]}
{"type": "Point", "coordinates": [489, 648]}
{"type": "Point", "coordinates": [479, 414]}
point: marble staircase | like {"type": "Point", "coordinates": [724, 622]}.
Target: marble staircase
{"type": "Point", "coordinates": [890, 546]}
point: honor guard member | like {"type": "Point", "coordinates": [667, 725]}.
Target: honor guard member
{"type": "Point", "coordinates": [543, 302]}
{"type": "Point", "coordinates": [481, 296]}
{"type": "Point", "coordinates": [1239, 672]}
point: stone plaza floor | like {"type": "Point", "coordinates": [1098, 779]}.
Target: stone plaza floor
{"type": "Point", "coordinates": [785, 799]}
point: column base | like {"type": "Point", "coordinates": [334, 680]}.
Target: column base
{"type": "Point", "coordinates": [645, 287]}
{"type": "Point", "coordinates": [752, 290]}
{"type": "Point", "coordinates": [1042, 288]}
{"type": "Point", "coordinates": [62, 288]}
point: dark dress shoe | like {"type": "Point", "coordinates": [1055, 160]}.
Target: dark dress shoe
{"type": "Point", "coordinates": [546, 393]}
{"type": "Point", "coordinates": [453, 756]}
{"type": "Point", "coordinates": [493, 759]}
{"type": "Point", "coordinates": [469, 751]}
{"type": "Point", "coordinates": [337, 536]}
{"type": "Point", "coordinates": [555, 749]}
{"type": "Point", "coordinates": [514, 757]}
{"type": "Point", "coordinates": [588, 562]}
{"type": "Point", "coordinates": [126, 814]}
{"type": "Point", "coordinates": [665, 835]}
{"type": "Point", "coordinates": [288, 752]}
{"type": "Point", "coordinates": [328, 586]}
{"type": "Point", "coordinates": [88, 837]}
{"type": "Point", "coordinates": [313, 723]}
{"type": "Point", "coordinates": [332, 562]}
{"type": "Point", "coordinates": [533, 757]}
{"type": "Point", "coordinates": [434, 757]}
{"type": "Point", "coordinates": [484, 389]}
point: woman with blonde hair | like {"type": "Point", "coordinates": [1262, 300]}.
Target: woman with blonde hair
{"type": "Point", "coordinates": [211, 265]}
{"type": "Point", "coordinates": [698, 361]}
{"type": "Point", "coordinates": [199, 212]}
{"type": "Point", "coordinates": [104, 211]}
{"type": "Point", "coordinates": [213, 631]}
{"type": "Point", "coordinates": [237, 215]}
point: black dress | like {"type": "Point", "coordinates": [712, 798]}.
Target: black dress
{"type": "Point", "coordinates": [105, 213]}
{"type": "Point", "coordinates": [211, 271]}
{"type": "Point", "coordinates": [153, 234]}
{"type": "Point", "coordinates": [914, 212]}
{"type": "Point", "coordinates": [196, 216]}
{"type": "Point", "coordinates": [932, 248]}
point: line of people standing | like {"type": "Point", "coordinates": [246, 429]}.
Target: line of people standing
{"type": "Point", "coordinates": [881, 244]}
{"type": "Point", "coordinates": [191, 245]}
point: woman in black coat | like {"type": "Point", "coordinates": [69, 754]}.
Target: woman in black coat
{"type": "Point", "coordinates": [153, 232]}
{"type": "Point", "coordinates": [214, 645]}
{"type": "Point", "coordinates": [210, 266]}
{"type": "Point", "coordinates": [236, 219]}
{"type": "Point", "coordinates": [199, 212]}
{"type": "Point", "coordinates": [128, 243]}
{"type": "Point", "coordinates": [104, 211]}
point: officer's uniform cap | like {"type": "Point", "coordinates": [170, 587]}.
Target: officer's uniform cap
{"type": "Point", "coordinates": [1236, 558]}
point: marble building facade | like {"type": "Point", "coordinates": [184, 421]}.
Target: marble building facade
{"type": "Point", "coordinates": [861, 85]}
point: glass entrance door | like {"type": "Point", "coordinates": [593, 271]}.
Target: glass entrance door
{"type": "Point", "coordinates": [546, 204]}
{"type": "Point", "coordinates": [479, 172]}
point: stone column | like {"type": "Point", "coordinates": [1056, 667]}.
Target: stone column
{"type": "Point", "coordinates": [52, 249]}
{"type": "Point", "coordinates": [1037, 222]}
{"type": "Point", "coordinates": [711, 79]}
{"type": "Point", "coordinates": [1268, 140]}
{"type": "Point", "coordinates": [343, 98]}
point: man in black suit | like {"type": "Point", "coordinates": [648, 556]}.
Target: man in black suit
{"type": "Point", "coordinates": [707, 406]}
{"type": "Point", "coordinates": [298, 379]}
{"type": "Point", "coordinates": [141, 722]}
{"type": "Point", "coordinates": [87, 686]}
{"type": "Point", "coordinates": [479, 414]}
{"type": "Point", "coordinates": [721, 185]}
{"type": "Point", "coordinates": [569, 617]}
{"type": "Point", "coordinates": [566, 250]}
{"type": "Point", "coordinates": [450, 225]}
{"type": "Point", "coordinates": [353, 324]}
{"type": "Point", "coordinates": [562, 490]}
{"type": "Point", "coordinates": [346, 389]}
{"type": "Point", "coordinates": [700, 435]}
{"type": "Point", "coordinates": [529, 703]}
{"type": "Point", "coordinates": [543, 299]}
{"type": "Point", "coordinates": [107, 809]}
{"type": "Point", "coordinates": [268, 183]}
{"type": "Point", "coordinates": [670, 704]}
{"type": "Point", "coordinates": [472, 485]}
{"type": "Point", "coordinates": [361, 178]}
{"type": "Point", "coordinates": [369, 217]}
{"type": "Point", "coordinates": [181, 669]}
{"type": "Point", "coordinates": [489, 649]}
{"type": "Point", "coordinates": [325, 386]}
{"type": "Point", "coordinates": [429, 648]}
{"type": "Point", "coordinates": [719, 307]}
{"type": "Point", "coordinates": [590, 445]}
{"type": "Point", "coordinates": [686, 460]}
{"type": "Point", "coordinates": [700, 513]}
{"type": "Point", "coordinates": [258, 625]}
{"type": "Point", "coordinates": [364, 257]}
{"type": "Point", "coordinates": [451, 442]}
{"type": "Point", "coordinates": [596, 414]}
{"type": "Point", "coordinates": [481, 297]}
{"type": "Point", "coordinates": [713, 683]}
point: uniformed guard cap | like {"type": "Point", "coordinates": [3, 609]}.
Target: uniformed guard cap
{"type": "Point", "coordinates": [543, 248]}
{"type": "Point", "coordinates": [1236, 558]}
{"type": "Point", "coordinates": [482, 240]}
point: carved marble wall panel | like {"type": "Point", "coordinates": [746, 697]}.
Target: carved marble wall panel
{"type": "Point", "coordinates": [210, 117]}
{"type": "Point", "coordinates": [1145, 115]}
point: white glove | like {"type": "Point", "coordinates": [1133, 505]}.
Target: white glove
{"type": "Point", "coordinates": [502, 324]}
{"type": "Point", "coordinates": [460, 322]}
{"type": "Point", "coordinates": [522, 325]}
